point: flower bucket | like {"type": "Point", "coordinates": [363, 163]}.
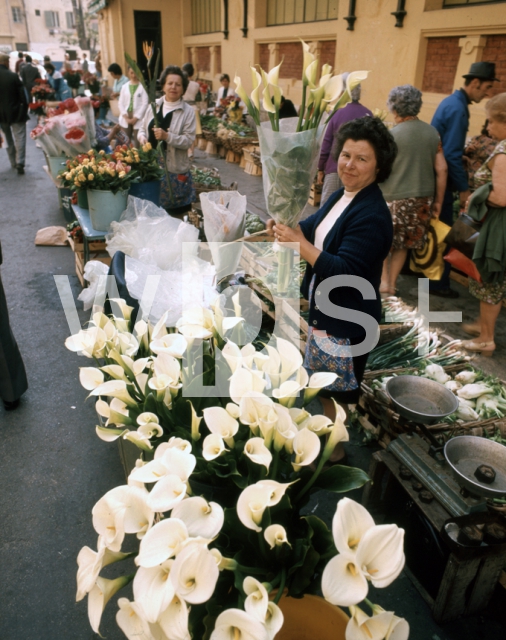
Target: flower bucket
{"type": "Point", "coordinates": [106, 207]}
{"type": "Point", "coordinates": [82, 198]}
{"type": "Point", "coordinates": [311, 617]}
{"type": "Point", "coordinates": [56, 164]}
{"type": "Point", "coordinates": [147, 191]}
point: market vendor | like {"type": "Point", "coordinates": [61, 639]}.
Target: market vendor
{"type": "Point", "coordinates": [58, 83]}
{"type": "Point", "coordinates": [177, 130]}
{"type": "Point", "coordinates": [350, 235]}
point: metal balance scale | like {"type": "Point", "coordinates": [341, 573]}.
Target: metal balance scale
{"type": "Point", "coordinates": [447, 472]}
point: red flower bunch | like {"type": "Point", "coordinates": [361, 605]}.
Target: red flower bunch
{"type": "Point", "coordinates": [204, 88]}
{"type": "Point", "coordinates": [67, 106]}
{"type": "Point", "coordinates": [75, 133]}
{"type": "Point", "coordinates": [37, 107]}
{"type": "Point", "coordinates": [40, 81]}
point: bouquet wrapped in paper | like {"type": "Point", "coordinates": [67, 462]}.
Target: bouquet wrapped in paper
{"type": "Point", "coordinates": [86, 109]}
{"type": "Point", "coordinates": [290, 148]}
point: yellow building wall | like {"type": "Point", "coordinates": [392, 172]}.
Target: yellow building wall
{"type": "Point", "coordinates": [10, 31]}
{"type": "Point", "coordinates": [393, 55]}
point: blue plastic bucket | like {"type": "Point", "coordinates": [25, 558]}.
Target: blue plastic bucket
{"type": "Point", "coordinates": [147, 191]}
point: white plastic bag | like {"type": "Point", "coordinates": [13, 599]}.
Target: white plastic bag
{"type": "Point", "coordinates": [145, 232]}
{"type": "Point", "coordinates": [92, 272]}
{"type": "Point", "coordinates": [224, 221]}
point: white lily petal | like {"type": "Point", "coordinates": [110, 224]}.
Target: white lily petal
{"type": "Point", "coordinates": [273, 620]}
{"type": "Point", "coordinates": [153, 591]}
{"type": "Point", "coordinates": [235, 623]}
{"type": "Point", "coordinates": [363, 627]}
{"type": "Point", "coordinates": [116, 389]}
{"type": "Point", "coordinates": [354, 79]}
{"type": "Point", "coordinates": [131, 621]}
{"type": "Point", "coordinates": [319, 424]}
{"type": "Point", "coordinates": [166, 493]}
{"type": "Point", "coordinates": [343, 582]}
{"type": "Point", "coordinates": [351, 521]}
{"type": "Point", "coordinates": [174, 620]}
{"type": "Point", "coordinates": [161, 542]}
{"type": "Point", "coordinates": [220, 422]}
{"type": "Point", "coordinates": [174, 344]}
{"type": "Point", "coordinates": [202, 519]}
{"type": "Point", "coordinates": [213, 446]}
{"type": "Point", "coordinates": [160, 329]}
{"type": "Point", "coordinates": [267, 101]}
{"type": "Point", "coordinates": [99, 596]}
{"type": "Point", "coordinates": [194, 573]}
{"type": "Point", "coordinates": [232, 355]}
{"type": "Point", "coordinates": [306, 447]}
{"type": "Point", "coordinates": [90, 377]}
{"type": "Point", "coordinates": [381, 554]}
{"type": "Point", "coordinates": [275, 535]}
{"type": "Point", "coordinates": [251, 505]}
{"type": "Point", "coordinates": [245, 382]}
{"type": "Point", "coordinates": [257, 452]}
{"type": "Point", "coordinates": [257, 598]}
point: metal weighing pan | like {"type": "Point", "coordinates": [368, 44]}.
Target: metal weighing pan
{"type": "Point", "coordinates": [421, 400]}
{"type": "Point", "coordinates": [465, 453]}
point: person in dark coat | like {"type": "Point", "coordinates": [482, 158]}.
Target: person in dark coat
{"type": "Point", "coordinates": [13, 381]}
{"type": "Point", "coordinates": [350, 235]}
{"type": "Point", "coordinates": [287, 109]}
{"type": "Point", "coordinates": [19, 62]}
{"type": "Point", "coordinates": [13, 114]}
{"type": "Point", "coordinates": [451, 120]}
{"type": "Point", "coordinates": [29, 73]}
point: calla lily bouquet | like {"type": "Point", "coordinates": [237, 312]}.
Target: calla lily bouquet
{"type": "Point", "coordinates": [213, 504]}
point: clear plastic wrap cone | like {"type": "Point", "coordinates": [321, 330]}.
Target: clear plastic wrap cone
{"type": "Point", "coordinates": [289, 161]}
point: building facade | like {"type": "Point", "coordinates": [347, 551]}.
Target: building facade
{"type": "Point", "coordinates": [13, 26]}
{"type": "Point", "coordinates": [427, 43]}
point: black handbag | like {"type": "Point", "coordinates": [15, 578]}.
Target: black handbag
{"type": "Point", "coordinates": [463, 235]}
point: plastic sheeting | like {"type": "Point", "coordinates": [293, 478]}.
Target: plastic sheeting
{"type": "Point", "coordinates": [224, 221]}
{"type": "Point", "coordinates": [289, 162]}
{"type": "Point", "coordinates": [92, 272]}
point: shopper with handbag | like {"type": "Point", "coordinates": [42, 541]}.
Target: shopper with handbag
{"type": "Point", "coordinates": [490, 251]}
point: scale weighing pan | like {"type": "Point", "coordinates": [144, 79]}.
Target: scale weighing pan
{"type": "Point", "coordinates": [465, 453]}
{"type": "Point", "coordinates": [421, 400]}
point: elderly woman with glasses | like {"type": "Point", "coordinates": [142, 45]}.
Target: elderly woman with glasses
{"type": "Point", "coordinates": [415, 189]}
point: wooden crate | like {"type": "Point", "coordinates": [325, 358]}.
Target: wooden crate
{"type": "Point", "coordinates": [211, 149]}
{"type": "Point", "coordinates": [252, 169]}
{"type": "Point", "coordinates": [78, 247]}
{"type": "Point", "coordinates": [202, 144]}
{"type": "Point", "coordinates": [315, 195]}
{"type": "Point", "coordinates": [233, 157]}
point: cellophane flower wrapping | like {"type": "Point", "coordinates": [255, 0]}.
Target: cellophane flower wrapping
{"type": "Point", "coordinates": [224, 221]}
{"type": "Point", "coordinates": [45, 142]}
{"type": "Point", "coordinates": [289, 161]}
{"type": "Point", "coordinates": [86, 109]}
{"type": "Point", "coordinates": [78, 138]}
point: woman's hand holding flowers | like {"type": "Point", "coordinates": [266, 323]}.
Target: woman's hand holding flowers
{"type": "Point", "coordinates": [160, 134]}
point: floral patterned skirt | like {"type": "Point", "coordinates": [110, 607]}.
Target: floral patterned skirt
{"type": "Point", "coordinates": [411, 218]}
{"type": "Point", "coordinates": [493, 293]}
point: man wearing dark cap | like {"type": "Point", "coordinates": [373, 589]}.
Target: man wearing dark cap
{"type": "Point", "coordinates": [452, 122]}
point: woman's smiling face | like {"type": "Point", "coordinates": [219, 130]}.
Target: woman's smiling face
{"type": "Point", "coordinates": [356, 165]}
{"type": "Point", "coordinates": [173, 87]}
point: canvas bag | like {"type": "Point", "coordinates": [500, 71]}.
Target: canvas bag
{"type": "Point", "coordinates": [429, 259]}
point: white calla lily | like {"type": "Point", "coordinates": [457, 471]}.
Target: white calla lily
{"type": "Point", "coordinates": [244, 382]}
{"type": "Point", "coordinates": [326, 69]}
{"type": "Point", "coordinates": [234, 410]}
{"type": "Point", "coordinates": [287, 393]}
{"type": "Point", "coordinates": [116, 389]}
{"type": "Point", "coordinates": [124, 309]}
{"type": "Point", "coordinates": [343, 582]}
{"type": "Point", "coordinates": [257, 452]}
{"type": "Point", "coordinates": [167, 365]}
{"type": "Point", "coordinates": [235, 623]}
{"type": "Point", "coordinates": [317, 382]}
{"type": "Point", "coordinates": [90, 377]}
{"type": "Point", "coordinates": [147, 417]}
{"type": "Point", "coordinates": [307, 60]}
{"type": "Point", "coordinates": [213, 446]}
{"type": "Point", "coordinates": [90, 342]}
{"type": "Point", "coordinates": [273, 620]}
{"type": "Point", "coordinates": [354, 79]}
{"type": "Point", "coordinates": [319, 424]}
{"type": "Point", "coordinates": [115, 371]}
{"type": "Point", "coordinates": [90, 564]}
{"type": "Point", "coordinates": [339, 432]}
{"type": "Point", "coordinates": [167, 493]}
{"type": "Point", "coordinates": [349, 524]}
{"type": "Point", "coordinates": [202, 519]}
{"type": "Point", "coordinates": [333, 90]}
{"type": "Point", "coordinates": [363, 627]}
{"type": "Point", "coordinates": [306, 447]}
{"type": "Point", "coordinates": [194, 573]}
{"type": "Point", "coordinates": [311, 73]}
{"type": "Point", "coordinates": [251, 505]}
{"type": "Point", "coordinates": [100, 595]}
{"type": "Point", "coordinates": [153, 591]}
{"type": "Point", "coordinates": [161, 542]}
{"type": "Point", "coordinates": [284, 429]}
{"type": "Point", "coordinates": [275, 536]}
{"type": "Point", "coordinates": [174, 620]}
{"type": "Point", "coordinates": [232, 354]}
{"type": "Point", "coordinates": [150, 430]}
{"type": "Point", "coordinates": [256, 79]}
{"type": "Point", "coordinates": [221, 423]}
{"type": "Point", "coordinates": [300, 415]}
{"type": "Point", "coordinates": [239, 89]}
{"type": "Point", "coordinates": [160, 329]}
{"type": "Point", "coordinates": [257, 598]}
{"type": "Point", "coordinates": [174, 461]}
{"type": "Point", "coordinates": [267, 103]}
{"type": "Point", "coordinates": [399, 627]}
{"type": "Point", "coordinates": [130, 619]}
{"type": "Point", "coordinates": [173, 344]}
{"type": "Point", "coordinates": [380, 554]}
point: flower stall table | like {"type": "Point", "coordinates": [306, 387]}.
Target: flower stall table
{"type": "Point", "coordinates": [89, 233]}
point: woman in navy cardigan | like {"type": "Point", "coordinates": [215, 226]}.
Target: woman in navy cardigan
{"type": "Point", "coordinates": [350, 235]}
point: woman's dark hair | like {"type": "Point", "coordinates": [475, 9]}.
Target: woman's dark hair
{"type": "Point", "coordinates": [49, 67]}
{"type": "Point", "coordinates": [115, 68]}
{"type": "Point", "coordinates": [188, 68]}
{"type": "Point", "coordinates": [225, 76]}
{"type": "Point", "coordinates": [173, 70]}
{"type": "Point", "coordinates": [373, 131]}
{"type": "Point", "coordinates": [28, 58]}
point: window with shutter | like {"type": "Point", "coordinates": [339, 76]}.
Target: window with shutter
{"type": "Point", "coordinates": [70, 20]}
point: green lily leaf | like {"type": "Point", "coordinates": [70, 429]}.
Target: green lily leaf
{"type": "Point", "coordinates": [321, 536]}
{"type": "Point", "coordinates": [303, 577]}
{"type": "Point", "coordinates": [341, 479]}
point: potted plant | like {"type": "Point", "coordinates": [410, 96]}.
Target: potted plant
{"type": "Point", "coordinates": [213, 504]}
{"type": "Point", "coordinates": [107, 182]}
{"type": "Point", "coordinates": [145, 161]}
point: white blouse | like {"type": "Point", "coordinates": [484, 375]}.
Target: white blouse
{"type": "Point", "coordinates": [331, 218]}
